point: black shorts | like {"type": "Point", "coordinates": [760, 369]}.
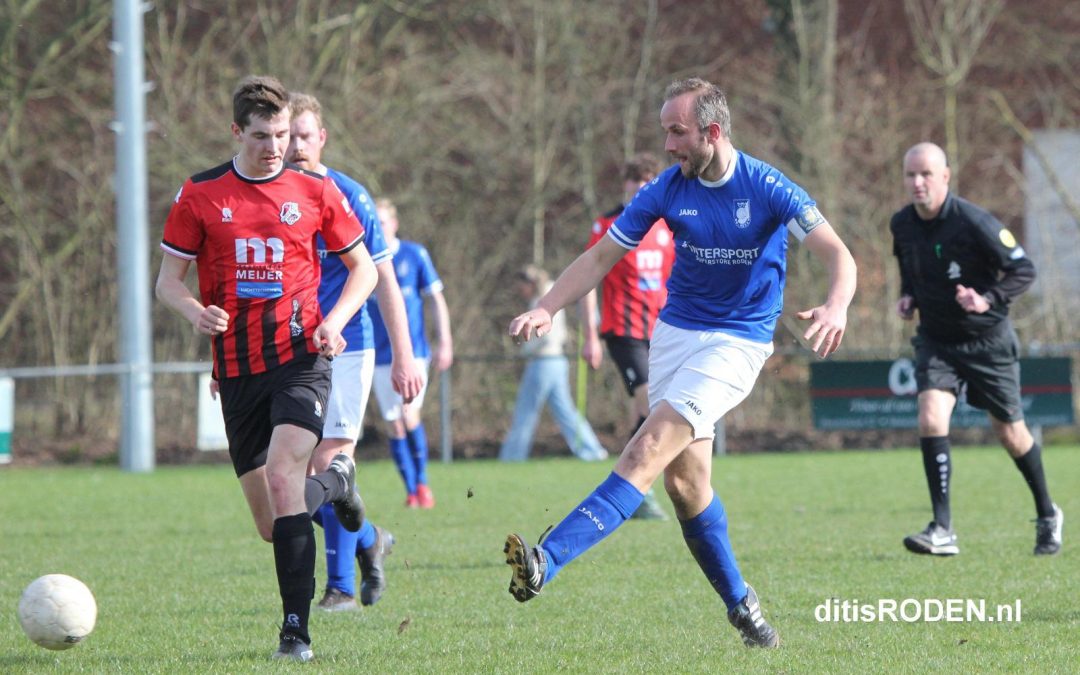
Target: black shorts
{"type": "Point", "coordinates": [631, 357]}
{"type": "Point", "coordinates": [987, 369]}
{"type": "Point", "coordinates": [295, 393]}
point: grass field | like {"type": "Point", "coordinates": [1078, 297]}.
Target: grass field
{"type": "Point", "coordinates": [183, 584]}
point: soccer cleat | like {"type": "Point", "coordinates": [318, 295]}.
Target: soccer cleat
{"type": "Point", "coordinates": [1048, 533]}
{"type": "Point", "coordinates": [424, 498]}
{"type": "Point", "coordinates": [350, 509]}
{"type": "Point", "coordinates": [412, 502]}
{"type": "Point", "coordinates": [529, 568]}
{"type": "Point", "coordinates": [372, 574]}
{"type": "Point", "coordinates": [750, 622]}
{"type": "Point", "coordinates": [293, 648]}
{"type": "Point", "coordinates": [649, 509]}
{"type": "Point", "coordinates": [934, 540]}
{"type": "Point", "coordinates": [334, 600]}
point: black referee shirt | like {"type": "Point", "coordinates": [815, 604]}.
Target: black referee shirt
{"type": "Point", "coordinates": [963, 245]}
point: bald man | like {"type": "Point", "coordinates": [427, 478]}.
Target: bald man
{"type": "Point", "coordinates": [959, 270]}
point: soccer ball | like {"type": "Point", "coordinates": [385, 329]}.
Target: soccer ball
{"type": "Point", "coordinates": [57, 611]}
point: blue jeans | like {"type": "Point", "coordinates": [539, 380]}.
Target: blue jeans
{"type": "Point", "coordinates": [546, 380]}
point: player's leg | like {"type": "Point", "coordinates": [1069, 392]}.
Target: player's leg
{"type": "Point", "coordinates": [390, 405]}
{"type": "Point", "coordinates": [664, 434]}
{"type": "Point", "coordinates": [993, 375]}
{"type": "Point", "coordinates": [705, 529]}
{"type": "Point", "coordinates": [631, 358]}
{"type": "Point", "coordinates": [297, 416]}
{"type": "Point", "coordinates": [351, 383]}
{"type": "Point", "coordinates": [416, 437]}
{"type": "Point", "coordinates": [938, 383]}
{"type": "Point", "coordinates": [531, 395]}
{"type": "Point", "coordinates": [575, 429]}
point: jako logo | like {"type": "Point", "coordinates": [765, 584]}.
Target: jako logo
{"type": "Point", "coordinates": [588, 514]}
{"type": "Point", "coordinates": [693, 406]}
{"type": "Point", "coordinates": [687, 212]}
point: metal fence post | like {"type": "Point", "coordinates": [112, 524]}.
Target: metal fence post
{"type": "Point", "coordinates": [719, 443]}
{"type": "Point", "coordinates": [444, 417]}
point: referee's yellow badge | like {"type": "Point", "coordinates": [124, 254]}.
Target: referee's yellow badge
{"type": "Point", "coordinates": [1007, 238]}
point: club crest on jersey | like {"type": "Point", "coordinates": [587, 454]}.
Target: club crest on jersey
{"type": "Point", "coordinates": [226, 214]}
{"type": "Point", "coordinates": [742, 212]}
{"type": "Point", "coordinates": [954, 270]}
{"type": "Point", "coordinates": [290, 213]}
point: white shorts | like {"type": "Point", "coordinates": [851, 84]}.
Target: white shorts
{"type": "Point", "coordinates": [390, 402]}
{"type": "Point", "coordinates": [350, 384]}
{"type": "Point", "coordinates": [702, 374]}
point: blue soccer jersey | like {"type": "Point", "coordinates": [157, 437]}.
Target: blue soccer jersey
{"type": "Point", "coordinates": [417, 277]}
{"type": "Point", "coordinates": [358, 331]}
{"type": "Point", "coordinates": [730, 244]}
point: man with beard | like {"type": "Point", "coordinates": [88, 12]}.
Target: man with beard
{"type": "Point", "coordinates": [353, 369]}
{"type": "Point", "coordinates": [730, 215]}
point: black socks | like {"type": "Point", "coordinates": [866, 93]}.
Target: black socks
{"type": "Point", "coordinates": [1031, 467]}
{"type": "Point", "coordinates": [294, 558]}
{"type": "Point", "coordinates": [937, 464]}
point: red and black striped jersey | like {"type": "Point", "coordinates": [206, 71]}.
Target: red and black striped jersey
{"type": "Point", "coordinates": [636, 287]}
{"type": "Point", "coordinates": [253, 242]}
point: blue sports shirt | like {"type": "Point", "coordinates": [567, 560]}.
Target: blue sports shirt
{"type": "Point", "coordinates": [358, 331]}
{"type": "Point", "coordinates": [417, 277]}
{"type": "Point", "coordinates": [730, 244]}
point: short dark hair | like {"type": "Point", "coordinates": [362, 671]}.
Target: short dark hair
{"type": "Point", "coordinates": [258, 95]}
{"type": "Point", "coordinates": [642, 167]}
{"type": "Point", "coordinates": [710, 106]}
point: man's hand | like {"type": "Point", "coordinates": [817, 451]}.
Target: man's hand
{"type": "Point", "coordinates": [406, 378]}
{"type": "Point", "coordinates": [826, 328]}
{"type": "Point", "coordinates": [328, 340]}
{"type": "Point", "coordinates": [444, 356]}
{"type": "Point", "coordinates": [215, 388]}
{"type": "Point", "coordinates": [971, 300]}
{"type": "Point", "coordinates": [591, 351]}
{"type": "Point", "coordinates": [905, 307]}
{"type": "Point", "coordinates": [212, 321]}
{"type": "Point", "coordinates": [536, 321]}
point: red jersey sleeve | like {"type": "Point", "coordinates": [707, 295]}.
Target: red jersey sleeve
{"type": "Point", "coordinates": [184, 232]}
{"type": "Point", "coordinates": [599, 229]}
{"type": "Point", "coordinates": [340, 227]}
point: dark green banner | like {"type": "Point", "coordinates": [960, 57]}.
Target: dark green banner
{"type": "Point", "coordinates": [881, 395]}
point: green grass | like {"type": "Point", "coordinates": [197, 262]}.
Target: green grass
{"type": "Point", "coordinates": [183, 583]}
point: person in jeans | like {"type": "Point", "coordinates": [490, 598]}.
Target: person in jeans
{"type": "Point", "coordinates": [546, 381]}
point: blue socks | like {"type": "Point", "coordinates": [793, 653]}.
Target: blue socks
{"type": "Point", "coordinates": [608, 507]}
{"type": "Point", "coordinates": [707, 538]}
{"type": "Point", "coordinates": [341, 549]}
{"type": "Point", "coordinates": [418, 448]}
{"type": "Point", "coordinates": [399, 450]}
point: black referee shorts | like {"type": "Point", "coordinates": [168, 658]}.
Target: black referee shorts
{"type": "Point", "coordinates": [631, 357]}
{"type": "Point", "coordinates": [987, 368]}
{"type": "Point", "coordinates": [295, 393]}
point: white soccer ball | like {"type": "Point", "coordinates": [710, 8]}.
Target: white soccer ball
{"type": "Point", "coordinates": [57, 611]}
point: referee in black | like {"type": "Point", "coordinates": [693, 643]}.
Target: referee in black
{"type": "Point", "coordinates": [960, 268]}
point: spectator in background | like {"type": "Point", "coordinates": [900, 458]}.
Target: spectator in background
{"type": "Point", "coordinates": [546, 381]}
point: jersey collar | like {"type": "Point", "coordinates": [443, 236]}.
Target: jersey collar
{"type": "Point", "coordinates": [727, 174]}
{"type": "Point", "coordinates": [248, 179]}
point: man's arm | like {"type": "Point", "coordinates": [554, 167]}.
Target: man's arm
{"type": "Point", "coordinates": [405, 377]}
{"type": "Point", "coordinates": [576, 280]}
{"type": "Point", "coordinates": [829, 321]}
{"type": "Point", "coordinates": [444, 350]}
{"type": "Point", "coordinates": [357, 288]}
{"type": "Point", "coordinates": [590, 338]}
{"type": "Point", "coordinates": [171, 290]}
